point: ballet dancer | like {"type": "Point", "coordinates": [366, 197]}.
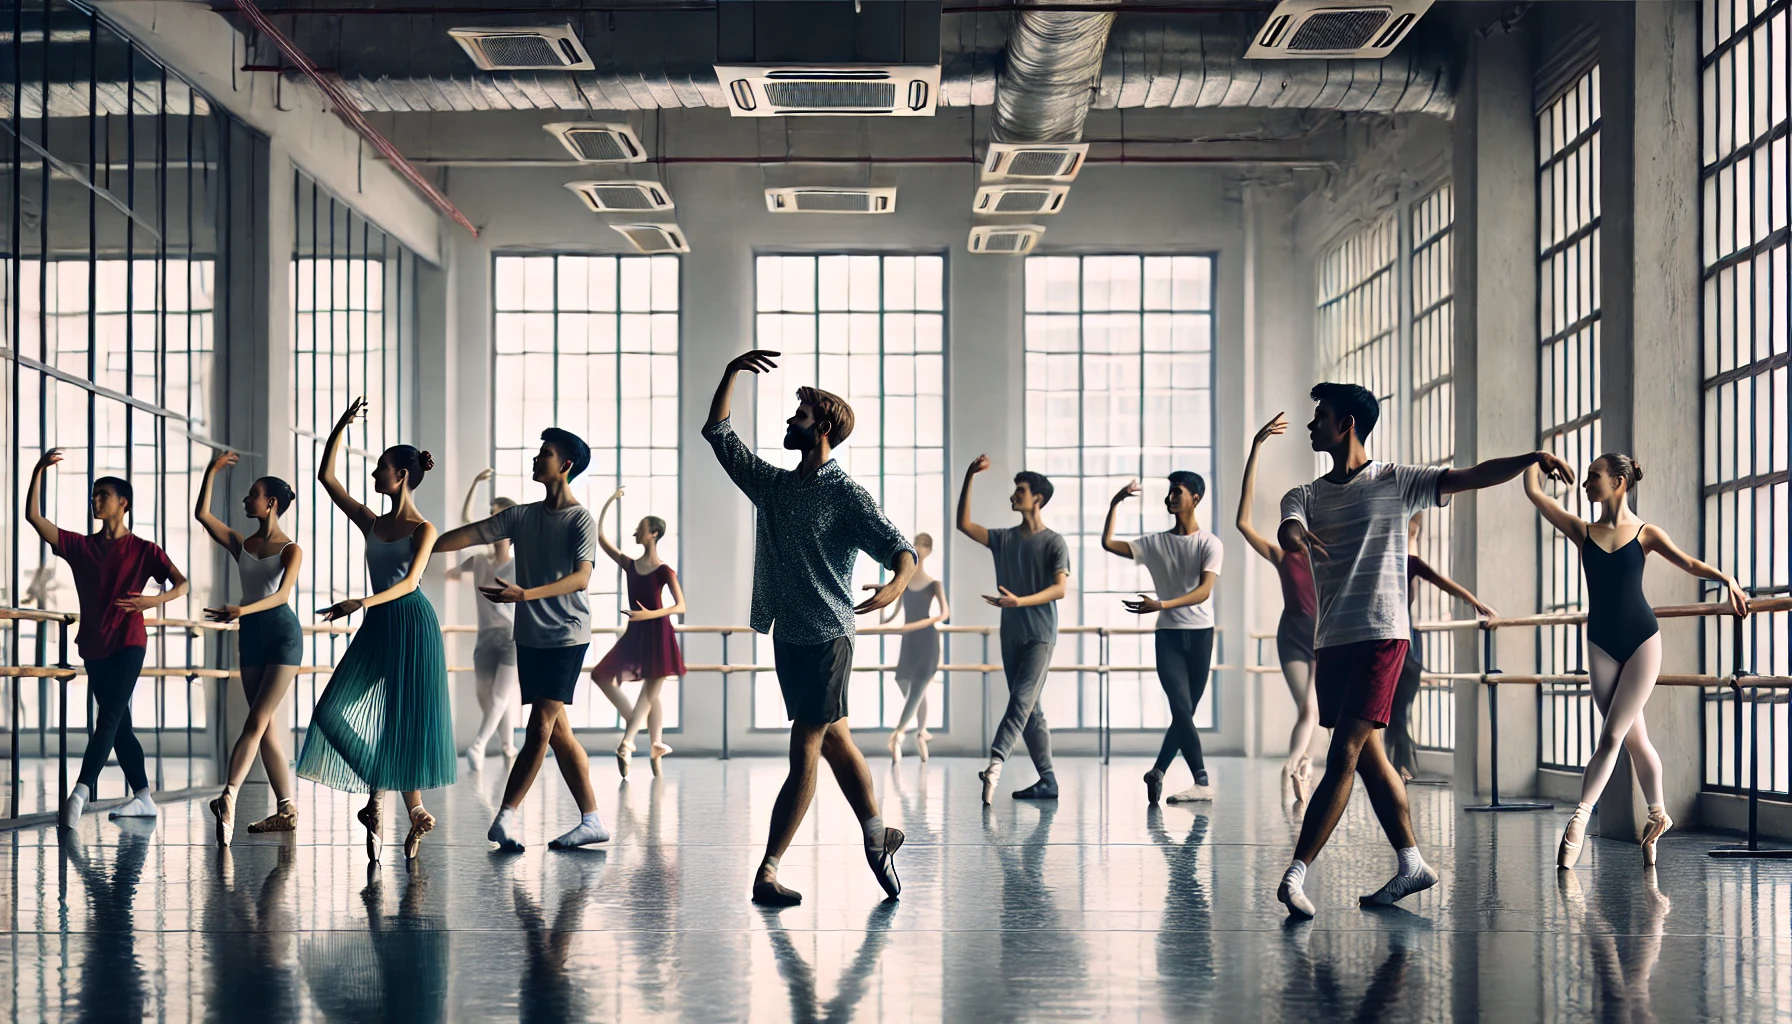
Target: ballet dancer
{"type": "Point", "coordinates": [1294, 631]}
{"type": "Point", "coordinates": [383, 721]}
{"type": "Point", "coordinates": [494, 649]}
{"type": "Point", "coordinates": [1184, 563]}
{"type": "Point", "coordinates": [1623, 639]}
{"type": "Point", "coordinates": [269, 643]}
{"type": "Point", "coordinates": [1035, 562]}
{"type": "Point", "coordinates": [1403, 750]}
{"type": "Point", "coordinates": [1351, 522]}
{"type": "Point", "coordinates": [812, 522]}
{"type": "Point", "coordinates": [919, 658]}
{"type": "Point", "coordinates": [110, 567]}
{"type": "Point", "coordinates": [648, 649]}
{"type": "Point", "coordinates": [556, 545]}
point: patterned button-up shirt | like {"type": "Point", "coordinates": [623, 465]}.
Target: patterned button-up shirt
{"type": "Point", "coordinates": [808, 533]}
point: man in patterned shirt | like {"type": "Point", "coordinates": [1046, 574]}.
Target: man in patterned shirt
{"type": "Point", "coordinates": [811, 524]}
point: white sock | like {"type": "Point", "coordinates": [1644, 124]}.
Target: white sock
{"type": "Point", "coordinates": [139, 806]}
{"type": "Point", "coordinates": [501, 831]}
{"type": "Point", "coordinates": [1410, 861]}
{"type": "Point", "coordinates": [590, 829]}
{"type": "Point", "coordinates": [874, 830]}
{"type": "Point", "coordinates": [74, 805]}
{"type": "Point", "coordinates": [1296, 875]}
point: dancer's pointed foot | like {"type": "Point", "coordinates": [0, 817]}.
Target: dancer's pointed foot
{"type": "Point", "coordinates": [655, 752]}
{"type": "Point", "coordinates": [1194, 794]}
{"type": "Point", "coordinates": [1303, 780]}
{"type": "Point", "coordinates": [284, 819]}
{"type": "Point", "coordinates": [990, 776]}
{"type": "Point", "coordinates": [1574, 837]}
{"type": "Point", "coordinates": [921, 738]}
{"type": "Point", "coordinates": [894, 746]}
{"type": "Point", "coordinates": [768, 893]}
{"type": "Point", "coordinates": [73, 806]}
{"type": "Point", "coordinates": [503, 832]}
{"type": "Point", "coordinates": [1154, 786]}
{"type": "Point", "coordinates": [422, 824]}
{"type": "Point", "coordinates": [1402, 885]}
{"type": "Point", "coordinates": [625, 752]}
{"type": "Point", "coordinates": [1653, 829]}
{"type": "Point", "coordinates": [1293, 894]}
{"type": "Point", "coordinates": [475, 760]}
{"type": "Point", "coordinates": [1288, 782]}
{"type": "Point", "coordinates": [138, 806]}
{"type": "Point", "coordinates": [369, 817]}
{"type": "Point", "coordinates": [882, 857]}
{"type": "Point", "coordinates": [589, 830]}
{"type": "Point", "coordinates": [224, 810]}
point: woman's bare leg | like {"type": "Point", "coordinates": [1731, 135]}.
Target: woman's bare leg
{"type": "Point", "coordinates": [264, 686]}
{"type": "Point", "coordinates": [1299, 675]}
{"type": "Point", "coordinates": [637, 716]}
{"type": "Point", "coordinates": [1621, 690]}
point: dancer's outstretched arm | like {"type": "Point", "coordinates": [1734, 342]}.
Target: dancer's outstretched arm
{"type": "Point", "coordinates": [1656, 539]}
{"type": "Point", "coordinates": [426, 542]}
{"type": "Point", "coordinates": [1565, 522]}
{"type": "Point", "coordinates": [1247, 492]}
{"type": "Point", "coordinates": [49, 531]}
{"type": "Point", "coordinates": [1498, 471]}
{"type": "Point", "coordinates": [505, 592]}
{"type": "Point", "coordinates": [970, 529]}
{"type": "Point", "coordinates": [603, 542]}
{"type": "Point", "coordinates": [227, 538]}
{"type": "Point", "coordinates": [326, 470]}
{"type": "Point", "coordinates": [1108, 543]}
{"type": "Point", "coordinates": [1424, 571]}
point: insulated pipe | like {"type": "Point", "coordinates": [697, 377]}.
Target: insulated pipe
{"type": "Point", "coordinates": [1049, 75]}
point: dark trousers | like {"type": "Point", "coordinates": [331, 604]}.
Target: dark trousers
{"type": "Point", "coordinates": [1184, 660]}
{"type": "Point", "coordinates": [1403, 750]}
{"type": "Point", "coordinates": [112, 679]}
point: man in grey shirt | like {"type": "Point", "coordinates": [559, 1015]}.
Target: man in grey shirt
{"type": "Point", "coordinates": [556, 545]}
{"type": "Point", "coordinates": [1032, 574]}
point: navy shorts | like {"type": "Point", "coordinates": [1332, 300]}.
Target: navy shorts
{"type": "Point", "coordinates": [549, 673]}
{"type": "Point", "coordinates": [813, 678]}
{"type": "Point", "coordinates": [270, 638]}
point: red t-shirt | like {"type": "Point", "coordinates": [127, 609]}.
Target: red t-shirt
{"type": "Point", "coordinates": [106, 570]}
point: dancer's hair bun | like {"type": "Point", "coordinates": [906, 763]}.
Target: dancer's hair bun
{"type": "Point", "coordinates": [1636, 472]}
{"type": "Point", "coordinates": [427, 460]}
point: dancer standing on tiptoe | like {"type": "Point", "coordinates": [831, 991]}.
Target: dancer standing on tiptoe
{"type": "Point", "coordinates": [110, 567]}
{"type": "Point", "coordinates": [1184, 562]}
{"type": "Point", "coordinates": [648, 648]}
{"type": "Point", "coordinates": [383, 722]}
{"type": "Point", "coordinates": [1294, 632]}
{"type": "Point", "coordinates": [270, 645]}
{"type": "Point", "coordinates": [1403, 749]}
{"type": "Point", "coordinates": [812, 523]}
{"type": "Point", "coordinates": [1032, 575]}
{"type": "Point", "coordinates": [1351, 522]}
{"type": "Point", "coordinates": [494, 648]}
{"type": "Point", "coordinates": [556, 543]}
{"type": "Point", "coordinates": [1623, 639]}
{"type": "Point", "coordinates": [918, 661]}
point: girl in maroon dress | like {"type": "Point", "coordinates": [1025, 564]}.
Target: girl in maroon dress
{"type": "Point", "coordinates": [648, 650]}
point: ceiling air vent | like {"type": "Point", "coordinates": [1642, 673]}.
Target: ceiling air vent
{"type": "Point", "coordinates": [902, 90]}
{"type": "Point", "coordinates": [654, 238]}
{"type": "Point", "coordinates": [1035, 162]}
{"type": "Point", "coordinates": [1020, 198]}
{"type": "Point", "coordinates": [1012, 240]}
{"type": "Point", "coordinates": [618, 196]}
{"type": "Point", "coordinates": [1335, 28]}
{"type": "Point", "coordinates": [596, 143]}
{"type": "Point", "coordinates": [524, 49]}
{"type": "Point", "coordinates": [830, 200]}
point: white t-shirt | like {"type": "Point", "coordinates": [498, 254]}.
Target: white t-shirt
{"type": "Point", "coordinates": [493, 618]}
{"type": "Point", "coordinates": [1361, 578]}
{"type": "Point", "coordinates": [1176, 562]}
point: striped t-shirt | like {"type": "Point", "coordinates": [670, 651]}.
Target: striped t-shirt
{"type": "Point", "coordinates": [1361, 578]}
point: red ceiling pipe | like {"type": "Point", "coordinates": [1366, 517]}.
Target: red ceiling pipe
{"type": "Point", "coordinates": [346, 109]}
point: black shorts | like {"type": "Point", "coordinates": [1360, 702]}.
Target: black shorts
{"type": "Point", "coordinates": [549, 673]}
{"type": "Point", "coordinates": [813, 678]}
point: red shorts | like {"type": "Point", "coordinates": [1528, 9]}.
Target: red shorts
{"type": "Point", "coordinates": [1358, 680]}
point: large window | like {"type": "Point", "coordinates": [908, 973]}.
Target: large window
{"type": "Point", "coordinates": [1359, 320]}
{"type": "Point", "coordinates": [1431, 440]}
{"type": "Point", "coordinates": [1744, 175]}
{"type": "Point", "coordinates": [1119, 385]}
{"type": "Point", "coordinates": [870, 329]}
{"type": "Point", "coordinates": [108, 240]}
{"type": "Point", "coordinates": [352, 293]}
{"type": "Point", "coordinates": [590, 344]}
{"type": "Point", "coordinates": [1568, 390]}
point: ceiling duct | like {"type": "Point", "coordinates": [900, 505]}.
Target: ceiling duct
{"type": "Point", "coordinates": [1043, 162]}
{"type": "Point", "coordinates": [1020, 199]}
{"type": "Point", "coordinates": [524, 49]}
{"type": "Point", "coordinates": [780, 57]}
{"type": "Point", "coordinates": [1335, 28]}
{"type": "Point", "coordinates": [1051, 66]}
{"type": "Point", "coordinates": [622, 196]}
{"type": "Point", "coordinates": [1005, 239]}
{"type": "Point", "coordinates": [830, 200]}
{"type": "Point", "coordinates": [653, 239]}
{"type": "Point", "coordinates": [596, 143]}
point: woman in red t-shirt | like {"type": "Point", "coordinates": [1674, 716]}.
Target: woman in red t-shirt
{"type": "Point", "coordinates": [110, 568]}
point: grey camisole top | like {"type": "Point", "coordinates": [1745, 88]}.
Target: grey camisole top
{"type": "Point", "coordinates": [387, 561]}
{"type": "Point", "coordinates": [261, 575]}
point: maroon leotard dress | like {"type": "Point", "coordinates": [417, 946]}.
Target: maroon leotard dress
{"type": "Point", "coordinates": [646, 650]}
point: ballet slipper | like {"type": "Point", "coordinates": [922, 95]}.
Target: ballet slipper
{"type": "Point", "coordinates": [224, 809]}
{"type": "Point", "coordinates": [921, 739]}
{"type": "Point", "coordinates": [1653, 829]}
{"type": "Point", "coordinates": [284, 819]}
{"type": "Point", "coordinates": [1574, 839]}
{"type": "Point", "coordinates": [654, 753]}
{"type": "Point", "coordinates": [894, 745]}
{"type": "Point", "coordinates": [369, 817]}
{"type": "Point", "coordinates": [422, 823]}
{"type": "Point", "coordinates": [1303, 778]}
{"type": "Point", "coordinates": [625, 752]}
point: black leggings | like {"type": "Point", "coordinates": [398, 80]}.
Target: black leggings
{"type": "Point", "coordinates": [1184, 658]}
{"type": "Point", "coordinates": [112, 680]}
{"type": "Point", "coordinates": [1403, 752]}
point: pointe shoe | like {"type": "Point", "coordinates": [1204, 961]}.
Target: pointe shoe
{"type": "Point", "coordinates": [284, 819]}
{"type": "Point", "coordinates": [655, 752]}
{"type": "Point", "coordinates": [369, 817]}
{"type": "Point", "coordinates": [625, 753]}
{"type": "Point", "coordinates": [1574, 839]}
{"type": "Point", "coordinates": [1303, 779]}
{"type": "Point", "coordinates": [224, 810]}
{"type": "Point", "coordinates": [422, 824]}
{"type": "Point", "coordinates": [894, 746]}
{"type": "Point", "coordinates": [1653, 829]}
{"type": "Point", "coordinates": [921, 738]}
{"type": "Point", "coordinates": [1287, 782]}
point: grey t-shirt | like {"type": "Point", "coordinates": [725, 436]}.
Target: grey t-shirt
{"type": "Point", "coordinates": [495, 620]}
{"type": "Point", "coordinates": [1026, 565]}
{"type": "Point", "coordinates": [549, 545]}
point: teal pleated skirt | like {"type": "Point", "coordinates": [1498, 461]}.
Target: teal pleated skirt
{"type": "Point", "coordinates": [383, 722]}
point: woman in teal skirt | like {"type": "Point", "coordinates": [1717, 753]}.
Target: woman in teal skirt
{"type": "Point", "coordinates": [383, 721]}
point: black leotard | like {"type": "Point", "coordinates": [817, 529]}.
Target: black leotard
{"type": "Point", "coordinates": [1619, 618]}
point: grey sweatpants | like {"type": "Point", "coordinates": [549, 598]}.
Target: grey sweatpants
{"type": "Point", "coordinates": [1025, 663]}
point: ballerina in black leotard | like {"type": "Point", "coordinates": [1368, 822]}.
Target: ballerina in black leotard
{"type": "Point", "coordinates": [1623, 640]}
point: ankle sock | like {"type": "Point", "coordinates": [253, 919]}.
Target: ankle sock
{"type": "Point", "coordinates": [590, 829]}
{"type": "Point", "coordinates": [1296, 875]}
{"type": "Point", "coordinates": [502, 831]}
{"type": "Point", "coordinates": [140, 805]}
{"type": "Point", "coordinates": [1411, 863]}
{"type": "Point", "coordinates": [874, 831]}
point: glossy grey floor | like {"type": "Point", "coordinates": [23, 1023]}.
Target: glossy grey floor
{"type": "Point", "coordinates": [1098, 908]}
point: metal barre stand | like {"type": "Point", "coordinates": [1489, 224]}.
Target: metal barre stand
{"type": "Point", "coordinates": [1752, 848]}
{"type": "Point", "coordinates": [1493, 805]}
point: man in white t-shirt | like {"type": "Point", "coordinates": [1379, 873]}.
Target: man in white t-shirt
{"type": "Point", "coordinates": [1351, 523]}
{"type": "Point", "coordinates": [1184, 562]}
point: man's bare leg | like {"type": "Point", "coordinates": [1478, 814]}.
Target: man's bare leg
{"type": "Point", "coordinates": [1387, 794]}
{"type": "Point", "coordinates": [854, 776]}
{"type": "Point", "coordinates": [542, 716]}
{"type": "Point", "coordinates": [787, 812]}
{"type": "Point", "coordinates": [577, 772]}
{"type": "Point", "coordinates": [1326, 809]}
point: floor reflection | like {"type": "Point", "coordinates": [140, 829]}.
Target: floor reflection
{"type": "Point", "coordinates": [251, 941]}
{"type": "Point", "coordinates": [1185, 967]}
{"type": "Point", "coordinates": [112, 985]}
{"type": "Point", "coordinates": [395, 970]}
{"type": "Point", "coordinates": [1624, 960]}
{"type": "Point", "coordinates": [549, 991]}
{"type": "Point", "coordinates": [806, 1006]}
